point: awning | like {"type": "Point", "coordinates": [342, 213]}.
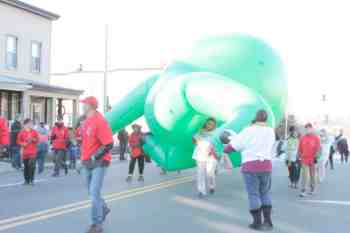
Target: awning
{"type": "Point", "coordinates": [8, 83]}
{"type": "Point", "coordinates": [15, 84]}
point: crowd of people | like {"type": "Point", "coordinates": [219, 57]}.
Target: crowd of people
{"type": "Point", "coordinates": [29, 144]}
{"type": "Point", "coordinates": [309, 152]}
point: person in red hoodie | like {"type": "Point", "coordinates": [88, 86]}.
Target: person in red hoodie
{"type": "Point", "coordinates": [59, 140]}
{"type": "Point", "coordinates": [309, 146]}
{"type": "Point", "coordinates": [28, 139]}
{"type": "Point", "coordinates": [135, 143]}
{"type": "Point", "coordinates": [4, 136]}
{"type": "Point", "coordinates": [97, 142]}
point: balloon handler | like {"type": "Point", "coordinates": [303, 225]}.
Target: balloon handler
{"type": "Point", "coordinates": [136, 151]}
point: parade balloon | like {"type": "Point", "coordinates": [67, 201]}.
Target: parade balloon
{"type": "Point", "coordinates": [227, 77]}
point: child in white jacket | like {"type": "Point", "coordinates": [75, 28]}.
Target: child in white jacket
{"type": "Point", "coordinates": [206, 158]}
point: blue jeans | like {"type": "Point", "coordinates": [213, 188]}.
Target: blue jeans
{"type": "Point", "coordinates": [15, 156]}
{"type": "Point", "coordinates": [41, 160]}
{"type": "Point", "coordinates": [73, 154]}
{"type": "Point", "coordinates": [94, 182]}
{"type": "Point", "coordinates": [258, 186]}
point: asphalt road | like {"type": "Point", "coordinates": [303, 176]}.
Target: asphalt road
{"type": "Point", "coordinates": [168, 204]}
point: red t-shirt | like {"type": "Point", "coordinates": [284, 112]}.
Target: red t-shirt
{"type": "Point", "coordinates": [61, 137]}
{"type": "Point", "coordinates": [28, 139]}
{"type": "Point", "coordinates": [95, 133]}
{"type": "Point", "coordinates": [309, 146]}
{"type": "Point", "coordinates": [4, 132]}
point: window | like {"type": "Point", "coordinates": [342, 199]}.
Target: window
{"type": "Point", "coordinates": [4, 104]}
{"type": "Point", "coordinates": [11, 52]}
{"type": "Point", "coordinates": [36, 57]}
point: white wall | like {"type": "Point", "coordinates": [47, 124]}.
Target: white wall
{"type": "Point", "coordinates": [26, 27]}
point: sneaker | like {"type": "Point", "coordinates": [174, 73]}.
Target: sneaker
{"type": "Point", "coordinates": [311, 193]}
{"type": "Point", "coordinates": [95, 228]}
{"type": "Point", "coordinates": [201, 195]}
{"type": "Point", "coordinates": [106, 211]}
{"type": "Point", "coordinates": [141, 179]}
{"type": "Point", "coordinates": [212, 191]}
{"type": "Point", "coordinates": [302, 194]}
{"type": "Point", "coordinates": [129, 179]}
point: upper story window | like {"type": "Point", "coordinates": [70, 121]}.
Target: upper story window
{"type": "Point", "coordinates": [11, 52]}
{"type": "Point", "coordinates": [36, 57]}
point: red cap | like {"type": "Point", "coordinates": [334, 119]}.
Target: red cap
{"type": "Point", "coordinates": [90, 100]}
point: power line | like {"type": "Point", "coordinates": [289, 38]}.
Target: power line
{"type": "Point", "coordinates": [137, 69]}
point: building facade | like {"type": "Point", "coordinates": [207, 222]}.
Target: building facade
{"type": "Point", "coordinates": [25, 59]}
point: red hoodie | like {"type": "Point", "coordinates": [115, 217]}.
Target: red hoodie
{"type": "Point", "coordinates": [61, 136]}
{"type": "Point", "coordinates": [95, 133]}
{"type": "Point", "coordinates": [28, 139]}
{"type": "Point", "coordinates": [4, 132]}
{"type": "Point", "coordinates": [135, 142]}
{"type": "Point", "coordinates": [309, 146]}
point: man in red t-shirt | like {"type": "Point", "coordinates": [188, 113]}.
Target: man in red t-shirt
{"type": "Point", "coordinates": [97, 142]}
{"type": "Point", "coordinates": [28, 139]}
{"type": "Point", "coordinates": [4, 136]}
{"type": "Point", "coordinates": [309, 146]}
{"type": "Point", "coordinates": [59, 140]}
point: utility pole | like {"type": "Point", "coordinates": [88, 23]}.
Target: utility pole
{"type": "Point", "coordinates": [324, 101]}
{"type": "Point", "coordinates": [105, 73]}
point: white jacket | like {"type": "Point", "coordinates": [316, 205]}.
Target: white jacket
{"type": "Point", "coordinates": [255, 143]}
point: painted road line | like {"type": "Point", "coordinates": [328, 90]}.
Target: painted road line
{"type": "Point", "coordinates": [20, 183]}
{"type": "Point", "coordinates": [73, 205]}
{"type": "Point", "coordinates": [328, 202]}
{"type": "Point", "coordinates": [87, 205]}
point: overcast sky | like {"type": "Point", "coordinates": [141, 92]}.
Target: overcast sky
{"type": "Point", "coordinates": [311, 36]}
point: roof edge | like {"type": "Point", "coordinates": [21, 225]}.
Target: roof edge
{"type": "Point", "coordinates": [31, 9]}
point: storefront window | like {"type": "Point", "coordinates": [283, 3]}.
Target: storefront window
{"type": "Point", "coordinates": [4, 104]}
{"type": "Point", "coordinates": [15, 105]}
{"type": "Point", "coordinates": [37, 109]}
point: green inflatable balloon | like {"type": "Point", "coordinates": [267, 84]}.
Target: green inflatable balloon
{"type": "Point", "coordinates": [228, 77]}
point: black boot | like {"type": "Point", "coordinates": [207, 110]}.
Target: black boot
{"type": "Point", "coordinates": [267, 225]}
{"type": "Point", "coordinates": [256, 214]}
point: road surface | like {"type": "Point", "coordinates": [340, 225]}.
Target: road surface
{"type": "Point", "coordinates": [169, 204]}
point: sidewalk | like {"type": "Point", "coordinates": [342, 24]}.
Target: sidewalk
{"type": "Point", "coordinates": [6, 167]}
